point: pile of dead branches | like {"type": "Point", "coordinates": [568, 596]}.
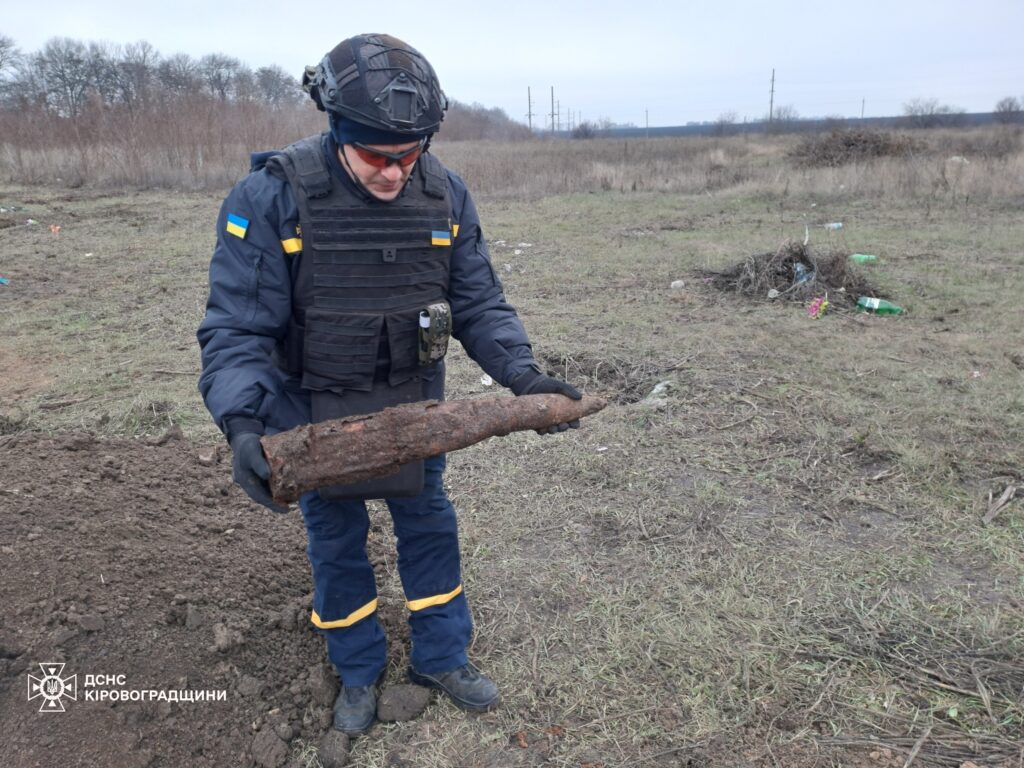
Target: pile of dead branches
{"type": "Point", "coordinates": [795, 273]}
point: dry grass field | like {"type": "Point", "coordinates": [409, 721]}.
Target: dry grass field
{"type": "Point", "coordinates": [795, 555]}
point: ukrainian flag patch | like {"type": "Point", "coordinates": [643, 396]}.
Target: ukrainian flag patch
{"type": "Point", "coordinates": [440, 237]}
{"type": "Point", "coordinates": [237, 226]}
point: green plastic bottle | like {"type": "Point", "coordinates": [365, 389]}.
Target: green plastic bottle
{"type": "Point", "coordinates": [863, 258]}
{"type": "Point", "coordinates": [878, 306]}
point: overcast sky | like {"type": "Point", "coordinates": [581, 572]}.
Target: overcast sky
{"type": "Point", "coordinates": [679, 61]}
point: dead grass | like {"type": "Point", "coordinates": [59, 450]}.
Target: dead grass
{"type": "Point", "coordinates": [747, 165]}
{"type": "Point", "coordinates": [781, 560]}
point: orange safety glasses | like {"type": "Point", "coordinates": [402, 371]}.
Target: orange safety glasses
{"type": "Point", "coordinates": [379, 159]}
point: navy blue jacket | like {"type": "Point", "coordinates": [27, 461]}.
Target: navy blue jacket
{"type": "Point", "coordinates": [250, 303]}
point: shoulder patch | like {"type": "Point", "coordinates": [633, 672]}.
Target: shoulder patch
{"type": "Point", "coordinates": [237, 226]}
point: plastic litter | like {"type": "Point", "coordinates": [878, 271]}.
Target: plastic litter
{"type": "Point", "coordinates": [817, 307]}
{"type": "Point", "coordinates": [486, 380]}
{"type": "Point", "coordinates": [677, 285]}
{"type": "Point", "coordinates": [863, 258]}
{"type": "Point", "coordinates": [878, 306]}
{"type": "Point", "coordinates": [4, 281]}
{"type": "Point", "coordinates": [30, 222]}
{"type": "Point", "coordinates": [55, 229]}
{"type": "Point", "coordinates": [659, 395]}
{"type": "Point", "coordinates": [834, 225]}
{"type": "Point", "coordinates": [801, 273]}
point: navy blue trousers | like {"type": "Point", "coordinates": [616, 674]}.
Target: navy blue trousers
{"type": "Point", "coordinates": [345, 592]}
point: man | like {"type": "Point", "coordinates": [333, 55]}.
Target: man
{"type": "Point", "coordinates": [342, 264]}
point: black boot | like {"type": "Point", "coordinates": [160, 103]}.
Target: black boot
{"type": "Point", "coordinates": [467, 686]}
{"type": "Point", "coordinates": [355, 709]}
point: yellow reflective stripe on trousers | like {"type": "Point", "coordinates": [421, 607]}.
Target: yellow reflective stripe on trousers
{"type": "Point", "coordinates": [427, 602]}
{"type": "Point", "coordinates": [349, 620]}
{"type": "Point", "coordinates": [292, 245]}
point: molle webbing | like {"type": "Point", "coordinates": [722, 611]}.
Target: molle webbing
{"type": "Point", "coordinates": [366, 271]}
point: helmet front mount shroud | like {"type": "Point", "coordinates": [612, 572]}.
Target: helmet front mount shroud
{"type": "Point", "coordinates": [380, 82]}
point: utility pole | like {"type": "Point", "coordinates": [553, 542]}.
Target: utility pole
{"type": "Point", "coordinates": [647, 125]}
{"type": "Point", "coordinates": [771, 97]}
{"type": "Point", "coordinates": [552, 110]}
{"type": "Point", "coordinates": [559, 113]}
{"type": "Point", "coordinates": [862, 109]}
{"type": "Point", "coordinates": [529, 108]}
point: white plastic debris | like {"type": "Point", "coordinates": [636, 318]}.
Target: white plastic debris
{"type": "Point", "coordinates": [508, 267]}
{"type": "Point", "coordinates": [486, 380]}
{"type": "Point", "coordinates": [677, 285]}
{"type": "Point", "coordinates": [517, 252]}
{"type": "Point", "coordinates": [659, 395]}
{"type": "Point", "coordinates": [773, 293]}
{"type": "Point", "coordinates": [525, 245]}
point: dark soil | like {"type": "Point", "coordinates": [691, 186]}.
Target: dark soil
{"type": "Point", "coordinates": [129, 558]}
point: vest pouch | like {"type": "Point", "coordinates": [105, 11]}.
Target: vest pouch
{"type": "Point", "coordinates": [329, 405]}
{"type": "Point", "coordinates": [340, 350]}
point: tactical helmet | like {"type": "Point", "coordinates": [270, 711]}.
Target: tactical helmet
{"type": "Point", "coordinates": [380, 82]}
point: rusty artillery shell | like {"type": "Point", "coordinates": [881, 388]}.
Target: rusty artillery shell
{"type": "Point", "coordinates": [357, 448]}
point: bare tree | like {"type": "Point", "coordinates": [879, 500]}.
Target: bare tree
{"type": "Point", "coordinates": [218, 73]}
{"type": "Point", "coordinates": [9, 54]}
{"type": "Point", "coordinates": [137, 73]}
{"type": "Point", "coordinates": [277, 87]}
{"type": "Point", "coordinates": [243, 85]}
{"type": "Point", "coordinates": [102, 71]}
{"type": "Point", "coordinates": [930, 113]}
{"type": "Point", "coordinates": [1008, 110]}
{"type": "Point", "coordinates": [475, 121]}
{"type": "Point", "coordinates": [179, 75]}
{"type": "Point", "coordinates": [64, 71]}
{"type": "Point", "coordinates": [784, 119]}
{"type": "Point", "coordinates": [725, 124]}
{"type": "Point", "coordinates": [584, 130]}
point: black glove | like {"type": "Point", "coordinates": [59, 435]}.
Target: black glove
{"type": "Point", "coordinates": [533, 382]}
{"type": "Point", "coordinates": [251, 471]}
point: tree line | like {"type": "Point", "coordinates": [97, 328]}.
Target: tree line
{"type": "Point", "coordinates": [83, 112]}
{"type": "Point", "coordinates": [66, 74]}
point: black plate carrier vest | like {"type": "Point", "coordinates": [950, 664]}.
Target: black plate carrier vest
{"type": "Point", "coordinates": [367, 270]}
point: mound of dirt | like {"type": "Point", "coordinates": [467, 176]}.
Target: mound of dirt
{"type": "Point", "coordinates": [795, 273]}
{"type": "Point", "coordinates": [142, 562]}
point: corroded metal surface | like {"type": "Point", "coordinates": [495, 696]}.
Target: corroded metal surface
{"type": "Point", "coordinates": [358, 448]}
